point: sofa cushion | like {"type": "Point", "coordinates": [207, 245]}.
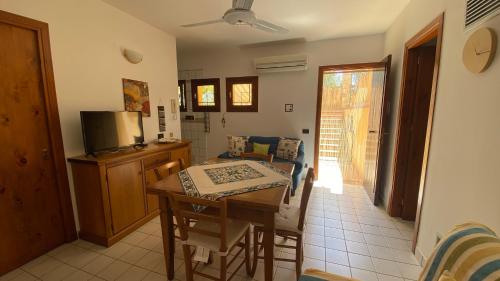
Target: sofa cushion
{"type": "Point", "coordinates": [469, 252]}
{"type": "Point", "coordinates": [259, 148]}
{"type": "Point", "coordinates": [272, 141]}
{"type": "Point", "coordinates": [288, 149]}
{"type": "Point", "coordinates": [236, 145]}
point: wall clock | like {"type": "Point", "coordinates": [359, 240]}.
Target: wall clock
{"type": "Point", "coordinates": [479, 50]}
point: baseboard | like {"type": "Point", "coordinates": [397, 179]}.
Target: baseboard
{"type": "Point", "coordinates": [420, 257]}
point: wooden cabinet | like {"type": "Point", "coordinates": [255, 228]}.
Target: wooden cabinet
{"type": "Point", "coordinates": [111, 190]}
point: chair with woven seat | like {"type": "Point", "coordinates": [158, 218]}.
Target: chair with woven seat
{"type": "Point", "coordinates": [213, 231]}
{"type": "Point", "coordinates": [251, 155]}
{"type": "Point", "coordinates": [168, 169]}
{"type": "Point", "coordinates": [289, 224]}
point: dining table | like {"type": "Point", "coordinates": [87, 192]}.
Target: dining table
{"type": "Point", "coordinates": [258, 206]}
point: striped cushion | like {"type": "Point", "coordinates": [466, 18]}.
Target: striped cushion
{"type": "Point", "coordinates": [470, 252]}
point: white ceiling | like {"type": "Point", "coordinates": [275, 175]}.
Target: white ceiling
{"type": "Point", "coordinates": [309, 19]}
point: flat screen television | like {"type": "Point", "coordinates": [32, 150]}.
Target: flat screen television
{"type": "Point", "coordinates": [108, 130]}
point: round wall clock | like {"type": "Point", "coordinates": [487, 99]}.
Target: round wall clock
{"type": "Point", "coordinates": [479, 50]}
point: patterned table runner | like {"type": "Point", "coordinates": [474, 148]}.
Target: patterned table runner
{"type": "Point", "coordinates": [213, 181]}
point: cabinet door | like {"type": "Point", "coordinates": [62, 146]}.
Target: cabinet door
{"type": "Point", "coordinates": [153, 203]}
{"type": "Point", "coordinates": [126, 194]}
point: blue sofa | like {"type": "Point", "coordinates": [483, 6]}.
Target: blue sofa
{"type": "Point", "coordinates": [273, 146]}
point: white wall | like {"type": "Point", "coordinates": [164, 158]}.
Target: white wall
{"type": "Point", "coordinates": [462, 178]}
{"type": "Point", "coordinates": [86, 37]}
{"type": "Point", "coordinates": [278, 89]}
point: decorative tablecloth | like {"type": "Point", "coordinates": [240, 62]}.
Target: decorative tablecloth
{"type": "Point", "coordinates": [213, 181]}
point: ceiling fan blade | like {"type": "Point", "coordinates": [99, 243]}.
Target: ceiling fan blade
{"type": "Point", "coordinates": [242, 4]}
{"type": "Point", "coordinates": [269, 27]}
{"type": "Point", "coordinates": [203, 23]}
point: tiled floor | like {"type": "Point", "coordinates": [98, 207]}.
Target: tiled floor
{"type": "Point", "coordinates": [345, 234]}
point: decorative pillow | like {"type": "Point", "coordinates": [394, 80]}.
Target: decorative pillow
{"type": "Point", "coordinates": [236, 145]}
{"type": "Point", "coordinates": [288, 149]}
{"type": "Point", "coordinates": [260, 148]}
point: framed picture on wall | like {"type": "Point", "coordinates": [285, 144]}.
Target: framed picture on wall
{"type": "Point", "coordinates": [136, 96]}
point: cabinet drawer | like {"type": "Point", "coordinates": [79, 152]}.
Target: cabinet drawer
{"type": "Point", "coordinates": [156, 160]}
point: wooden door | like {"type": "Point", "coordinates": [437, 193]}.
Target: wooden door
{"type": "Point", "coordinates": [35, 207]}
{"type": "Point", "coordinates": [126, 194]}
{"type": "Point", "coordinates": [378, 131]}
{"type": "Point", "coordinates": [417, 110]}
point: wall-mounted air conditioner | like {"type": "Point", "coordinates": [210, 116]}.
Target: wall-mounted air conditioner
{"type": "Point", "coordinates": [479, 11]}
{"type": "Point", "coordinates": [281, 63]}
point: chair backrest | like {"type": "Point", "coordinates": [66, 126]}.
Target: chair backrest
{"type": "Point", "coordinates": [306, 193]}
{"type": "Point", "coordinates": [168, 168]}
{"type": "Point", "coordinates": [214, 212]}
{"type": "Point", "coordinates": [247, 155]}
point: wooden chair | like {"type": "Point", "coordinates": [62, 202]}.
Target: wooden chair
{"type": "Point", "coordinates": [289, 224]}
{"type": "Point", "coordinates": [168, 168]}
{"type": "Point", "coordinates": [213, 230]}
{"type": "Point", "coordinates": [246, 155]}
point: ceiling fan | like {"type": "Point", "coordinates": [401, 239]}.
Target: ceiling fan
{"type": "Point", "coordinates": [241, 14]}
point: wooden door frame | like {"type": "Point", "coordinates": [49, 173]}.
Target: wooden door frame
{"type": "Point", "coordinates": [53, 122]}
{"type": "Point", "coordinates": [433, 30]}
{"type": "Point", "coordinates": [322, 70]}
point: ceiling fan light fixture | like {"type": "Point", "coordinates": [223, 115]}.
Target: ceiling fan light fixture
{"type": "Point", "coordinates": [241, 14]}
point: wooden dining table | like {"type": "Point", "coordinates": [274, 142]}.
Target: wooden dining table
{"type": "Point", "coordinates": [256, 207]}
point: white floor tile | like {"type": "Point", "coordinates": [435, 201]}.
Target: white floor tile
{"type": "Point", "coordinates": [79, 275]}
{"type": "Point", "coordinates": [24, 276]}
{"type": "Point", "coordinates": [114, 270]}
{"type": "Point", "coordinates": [314, 239]}
{"type": "Point", "coordinates": [334, 232]}
{"type": "Point", "coordinates": [360, 261]}
{"type": "Point", "coordinates": [97, 264]}
{"type": "Point", "coordinates": [336, 223]}
{"type": "Point", "coordinates": [41, 266]}
{"type": "Point", "coordinates": [383, 277]}
{"type": "Point", "coordinates": [134, 255]}
{"type": "Point", "coordinates": [354, 236]}
{"type": "Point", "coordinates": [335, 243]}
{"type": "Point", "coordinates": [133, 273]}
{"type": "Point", "coordinates": [314, 252]}
{"type": "Point", "coordinates": [312, 263]}
{"type": "Point", "coordinates": [338, 269]}
{"type": "Point", "coordinates": [117, 250]}
{"type": "Point", "coordinates": [364, 275]}
{"type": "Point", "coordinates": [357, 248]}
{"type": "Point", "coordinates": [60, 273]}
{"type": "Point", "coordinates": [386, 267]}
{"type": "Point", "coordinates": [338, 257]}
{"type": "Point", "coordinates": [409, 271]}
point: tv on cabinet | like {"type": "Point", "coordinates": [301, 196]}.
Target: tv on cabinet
{"type": "Point", "coordinates": [108, 130]}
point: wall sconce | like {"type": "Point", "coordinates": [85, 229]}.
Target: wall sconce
{"type": "Point", "coordinates": [132, 56]}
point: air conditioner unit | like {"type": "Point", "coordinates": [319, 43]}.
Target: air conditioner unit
{"type": "Point", "coordinates": [281, 63]}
